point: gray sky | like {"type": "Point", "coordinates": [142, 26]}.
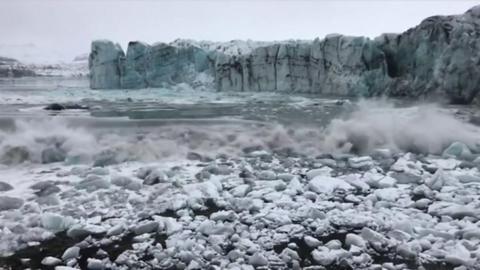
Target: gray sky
{"type": "Point", "coordinates": [61, 29]}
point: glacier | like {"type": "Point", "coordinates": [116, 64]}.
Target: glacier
{"type": "Point", "coordinates": [437, 58]}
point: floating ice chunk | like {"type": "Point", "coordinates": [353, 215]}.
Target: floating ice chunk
{"type": "Point", "coordinates": [467, 178]}
{"type": "Point", "coordinates": [387, 182]}
{"type": "Point", "coordinates": [292, 230]}
{"type": "Point", "coordinates": [65, 268]}
{"type": "Point", "coordinates": [453, 210]}
{"type": "Point", "coordinates": [202, 190]}
{"type": "Point", "coordinates": [10, 203]}
{"type": "Point", "coordinates": [328, 162]}
{"type": "Point", "coordinates": [209, 227]}
{"type": "Point", "coordinates": [457, 150]}
{"type": "Point", "coordinates": [218, 169]}
{"type": "Point", "coordinates": [405, 177]}
{"type": "Point", "coordinates": [459, 255]}
{"type": "Point", "coordinates": [405, 164]}
{"type": "Point", "coordinates": [155, 177]}
{"type": "Point", "coordinates": [325, 256]}
{"type": "Point", "coordinates": [81, 171]}
{"type": "Point", "coordinates": [294, 187]}
{"type": "Point", "coordinates": [352, 198]}
{"type": "Point", "coordinates": [51, 261]}
{"type": "Point", "coordinates": [56, 223]}
{"type": "Point", "coordinates": [476, 161]}
{"type": "Point", "coordinates": [5, 186]}
{"type": "Point", "coordinates": [440, 179]}
{"type": "Point", "coordinates": [223, 216]}
{"type": "Point", "coordinates": [355, 240]}
{"type": "Point", "coordinates": [267, 175]}
{"type": "Point", "coordinates": [241, 190]}
{"type": "Point", "coordinates": [258, 259]}
{"type": "Point", "coordinates": [146, 227]}
{"type": "Point", "coordinates": [287, 177]}
{"type": "Point", "coordinates": [95, 264]}
{"type": "Point", "coordinates": [356, 181]}
{"type": "Point", "coordinates": [364, 162]}
{"type": "Point", "coordinates": [171, 225]}
{"type": "Point", "coordinates": [152, 176]}
{"type": "Point", "coordinates": [99, 171]}
{"type": "Point", "coordinates": [471, 234]}
{"type": "Point", "coordinates": [407, 251]}
{"type": "Point", "coordinates": [325, 171]}
{"type": "Point", "coordinates": [387, 194]}
{"type": "Point", "coordinates": [53, 154]}
{"type": "Point", "coordinates": [446, 164]}
{"type": "Point", "coordinates": [116, 230]}
{"type": "Point", "coordinates": [422, 203]}
{"type": "Point", "coordinates": [45, 188]}
{"type": "Point", "coordinates": [382, 153]}
{"type": "Point", "coordinates": [311, 241]}
{"type": "Point", "coordinates": [126, 182]}
{"type": "Point", "coordinates": [374, 238]}
{"type": "Point", "coordinates": [93, 182]}
{"type": "Point", "coordinates": [334, 244]}
{"type": "Point", "coordinates": [77, 231]}
{"type": "Point", "coordinates": [326, 184]}
{"type": "Point", "coordinates": [121, 181]}
{"type": "Point", "coordinates": [71, 253]}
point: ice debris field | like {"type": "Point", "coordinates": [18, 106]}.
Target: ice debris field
{"type": "Point", "coordinates": [245, 196]}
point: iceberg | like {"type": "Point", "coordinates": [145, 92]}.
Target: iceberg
{"type": "Point", "coordinates": [436, 57]}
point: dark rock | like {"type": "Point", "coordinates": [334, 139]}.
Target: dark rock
{"type": "Point", "coordinates": [61, 107]}
{"type": "Point", "coordinates": [55, 107]}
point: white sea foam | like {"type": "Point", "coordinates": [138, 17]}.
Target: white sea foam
{"type": "Point", "coordinates": [424, 128]}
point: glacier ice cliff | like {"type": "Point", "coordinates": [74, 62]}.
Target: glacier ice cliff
{"type": "Point", "coordinates": [439, 56]}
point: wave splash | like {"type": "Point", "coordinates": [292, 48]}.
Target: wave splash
{"type": "Point", "coordinates": [426, 129]}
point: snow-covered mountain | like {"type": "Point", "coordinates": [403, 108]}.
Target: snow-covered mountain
{"type": "Point", "coordinates": [10, 67]}
{"type": "Point", "coordinates": [20, 60]}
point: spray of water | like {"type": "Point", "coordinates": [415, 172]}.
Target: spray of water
{"type": "Point", "coordinates": [374, 124]}
{"type": "Point", "coordinates": [371, 125]}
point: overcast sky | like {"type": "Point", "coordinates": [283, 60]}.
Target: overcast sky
{"type": "Point", "coordinates": [65, 28]}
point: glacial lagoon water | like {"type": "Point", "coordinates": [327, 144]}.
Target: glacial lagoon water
{"type": "Point", "coordinates": [176, 177]}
